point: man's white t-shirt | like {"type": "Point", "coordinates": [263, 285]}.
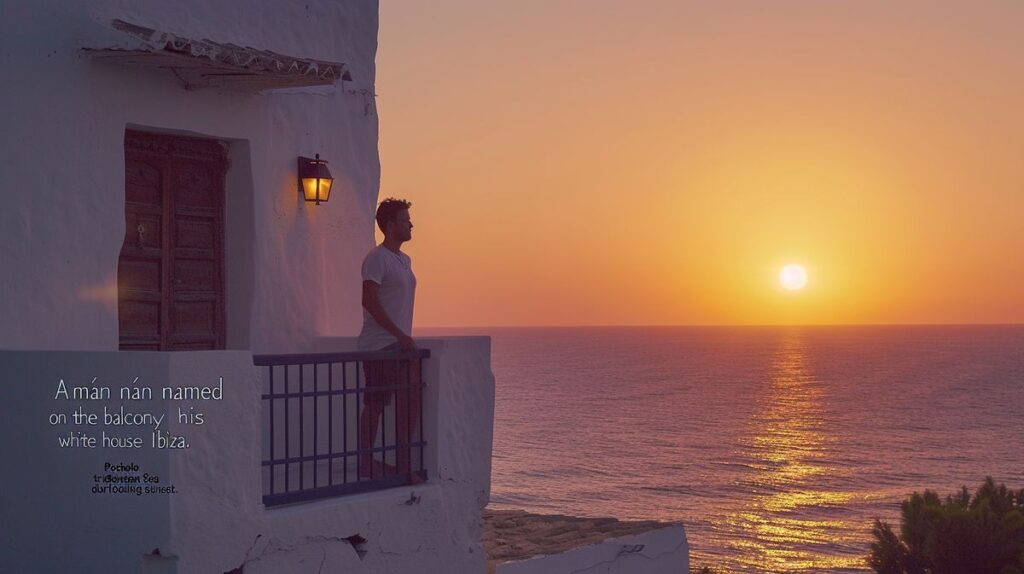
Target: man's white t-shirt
{"type": "Point", "coordinates": [393, 272]}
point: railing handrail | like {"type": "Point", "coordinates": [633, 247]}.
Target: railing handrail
{"type": "Point", "coordinates": [343, 357]}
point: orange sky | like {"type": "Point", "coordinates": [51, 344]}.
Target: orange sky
{"type": "Point", "coordinates": [598, 162]}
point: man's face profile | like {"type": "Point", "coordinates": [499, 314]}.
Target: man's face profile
{"type": "Point", "coordinates": [401, 226]}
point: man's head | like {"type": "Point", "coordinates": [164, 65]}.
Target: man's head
{"type": "Point", "coordinates": [393, 219]}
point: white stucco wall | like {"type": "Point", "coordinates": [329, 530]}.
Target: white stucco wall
{"type": "Point", "coordinates": [292, 268]}
{"type": "Point", "coordinates": [217, 522]}
{"type": "Point", "coordinates": [52, 522]}
{"type": "Point", "coordinates": [662, 551]}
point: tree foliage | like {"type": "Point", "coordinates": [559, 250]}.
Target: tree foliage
{"type": "Point", "coordinates": [980, 534]}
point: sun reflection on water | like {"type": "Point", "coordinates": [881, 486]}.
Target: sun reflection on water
{"type": "Point", "coordinates": [781, 528]}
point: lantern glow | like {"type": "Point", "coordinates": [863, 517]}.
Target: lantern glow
{"type": "Point", "coordinates": [314, 179]}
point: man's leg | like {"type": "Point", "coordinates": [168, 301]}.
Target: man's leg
{"type": "Point", "coordinates": [369, 419]}
{"type": "Point", "coordinates": [407, 413]}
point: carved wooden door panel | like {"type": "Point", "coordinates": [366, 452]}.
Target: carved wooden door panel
{"type": "Point", "coordinates": [171, 268]}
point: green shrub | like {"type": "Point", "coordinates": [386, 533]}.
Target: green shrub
{"type": "Point", "coordinates": [983, 534]}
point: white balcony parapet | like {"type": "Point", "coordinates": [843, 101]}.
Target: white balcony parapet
{"type": "Point", "coordinates": [215, 521]}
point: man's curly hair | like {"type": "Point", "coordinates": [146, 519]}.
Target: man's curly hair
{"type": "Point", "coordinates": [388, 208]}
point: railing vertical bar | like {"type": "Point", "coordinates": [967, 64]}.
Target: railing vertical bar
{"type": "Point", "coordinates": [407, 449]}
{"type": "Point", "coordinates": [302, 427]}
{"type": "Point", "coordinates": [344, 418]}
{"type": "Point", "coordinates": [272, 436]}
{"type": "Point", "coordinates": [287, 438]}
{"type": "Point", "coordinates": [330, 423]}
{"type": "Point", "coordinates": [367, 392]}
{"type": "Point", "coordinates": [384, 420]}
{"type": "Point", "coordinates": [316, 428]}
{"type": "Point", "coordinates": [359, 428]}
{"type": "Point", "coordinates": [421, 389]}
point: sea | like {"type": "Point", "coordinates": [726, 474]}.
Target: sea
{"type": "Point", "coordinates": [775, 447]}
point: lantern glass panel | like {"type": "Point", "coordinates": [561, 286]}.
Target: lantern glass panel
{"type": "Point", "coordinates": [309, 188]}
{"type": "Point", "coordinates": [315, 179]}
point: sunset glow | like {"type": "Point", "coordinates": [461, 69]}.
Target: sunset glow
{"type": "Point", "coordinates": [793, 277]}
{"type": "Point", "coordinates": [658, 163]}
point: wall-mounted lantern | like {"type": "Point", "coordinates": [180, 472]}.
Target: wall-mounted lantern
{"type": "Point", "coordinates": [314, 179]}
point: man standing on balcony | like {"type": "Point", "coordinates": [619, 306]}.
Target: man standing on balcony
{"type": "Point", "coordinates": [389, 290]}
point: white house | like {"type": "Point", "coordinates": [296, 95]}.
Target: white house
{"type": "Point", "coordinates": [154, 236]}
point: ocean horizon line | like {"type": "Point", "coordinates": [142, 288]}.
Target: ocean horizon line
{"type": "Point", "coordinates": [718, 326]}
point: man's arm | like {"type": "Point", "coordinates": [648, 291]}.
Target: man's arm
{"type": "Point", "coordinates": [371, 302]}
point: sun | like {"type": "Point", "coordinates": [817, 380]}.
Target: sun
{"type": "Point", "coordinates": [793, 277]}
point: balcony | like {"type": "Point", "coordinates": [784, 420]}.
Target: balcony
{"type": "Point", "coordinates": [341, 423]}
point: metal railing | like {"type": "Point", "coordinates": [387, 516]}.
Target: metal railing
{"type": "Point", "coordinates": [320, 433]}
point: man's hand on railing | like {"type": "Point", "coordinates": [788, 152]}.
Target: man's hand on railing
{"type": "Point", "coordinates": [406, 343]}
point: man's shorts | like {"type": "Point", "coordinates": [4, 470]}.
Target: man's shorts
{"type": "Point", "coordinates": [389, 374]}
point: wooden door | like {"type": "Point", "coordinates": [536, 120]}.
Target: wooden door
{"type": "Point", "coordinates": [170, 272]}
